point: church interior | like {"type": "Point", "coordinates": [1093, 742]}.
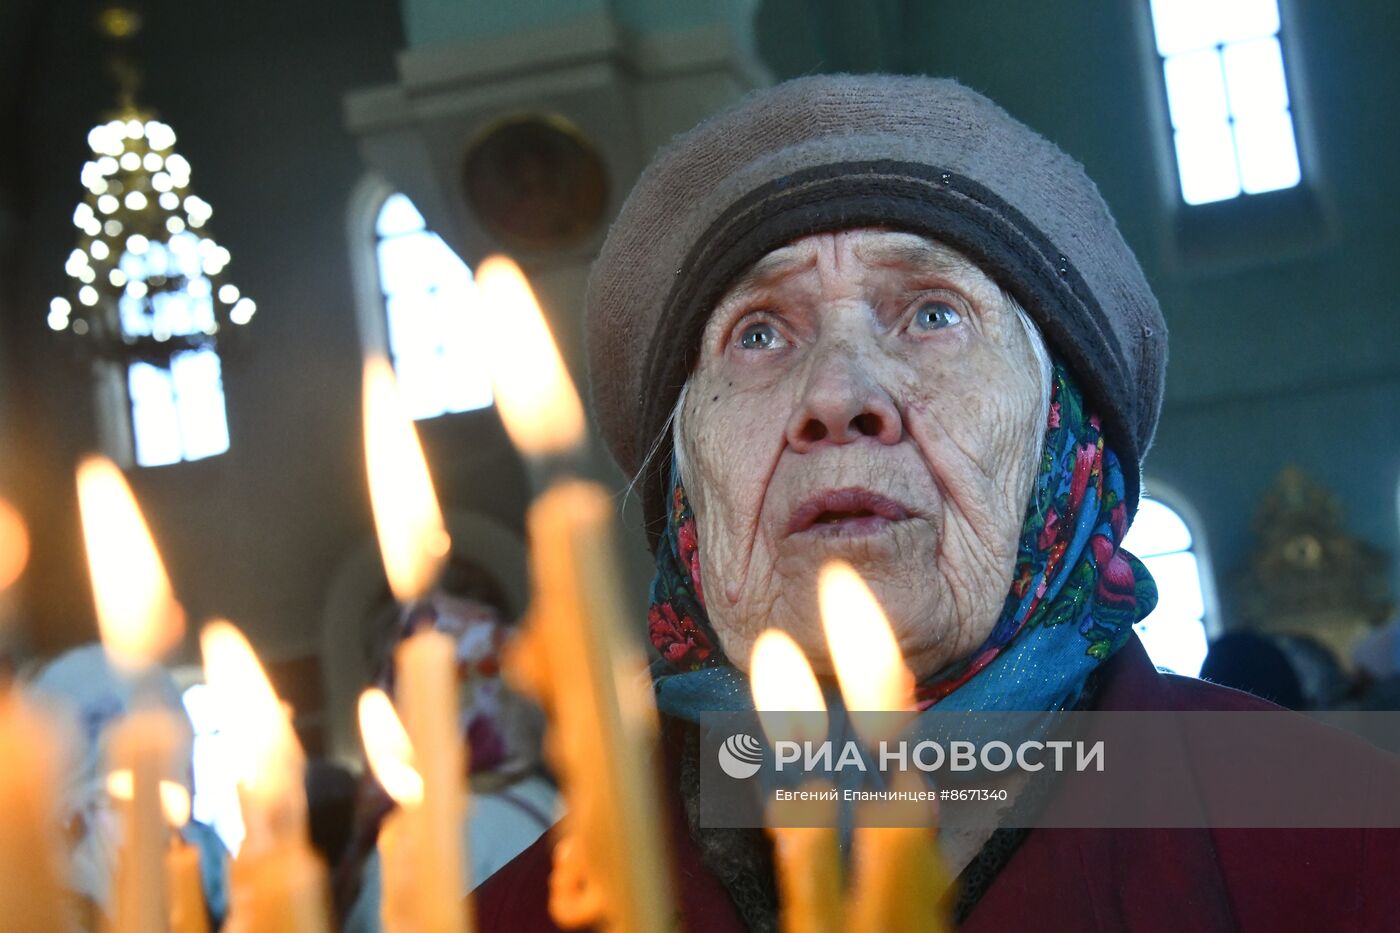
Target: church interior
{"type": "Point", "coordinates": [342, 169]}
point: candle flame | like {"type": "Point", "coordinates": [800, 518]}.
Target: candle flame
{"type": "Point", "coordinates": [388, 748]}
{"type": "Point", "coordinates": [868, 664]}
{"type": "Point", "coordinates": [785, 691]}
{"type": "Point", "coordinates": [174, 799]}
{"type": "Point", "coordinates": [261, 733]}
{"type": "Point", "coordinates": [136, 609]}
{"type": "Point", "coordinates": [14, 545]}
{"type": "Point", "coordinates": [535, 397]}
{"type": "Point", "coordinates": [412, 540]}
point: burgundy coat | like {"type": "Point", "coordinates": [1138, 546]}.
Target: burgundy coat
{"type": "Point", "coordinates": [1092, 879]}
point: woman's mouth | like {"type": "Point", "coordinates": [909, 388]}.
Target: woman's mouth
{"type": "Point", "coordinates": [849, 512]}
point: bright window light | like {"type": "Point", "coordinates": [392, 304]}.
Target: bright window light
{"type": "Point", "coordinates": [178, 413]}
{"type": "Point", "coordinates": [1175, 632]}
{"type": "Point", "coordinates": [1232, 123]}
{"type": "Point", "coordinates": [432, 315]}
{"type": "Point", "coordinates": [216, 767]}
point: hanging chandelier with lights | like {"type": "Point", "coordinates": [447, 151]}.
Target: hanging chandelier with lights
{"type": "Point", "coordinates": [147, 277]}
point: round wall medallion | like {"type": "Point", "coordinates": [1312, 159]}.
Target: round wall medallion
{"type": "Point", "coordinates": [536, 182]}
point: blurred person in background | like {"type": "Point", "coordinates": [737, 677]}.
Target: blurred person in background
{"type": "Point", "coordinates": [512, 800]}
{"type": "Point", "coordinates": [85, 689]}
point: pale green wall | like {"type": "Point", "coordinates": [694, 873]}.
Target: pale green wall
{"type": "Point", "coordinates": [438, 22]}
{"type": "Point", "coordinates": [255, 95]}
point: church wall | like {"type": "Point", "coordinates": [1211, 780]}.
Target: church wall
{"type": "Point", "coordinates": [254, 92]}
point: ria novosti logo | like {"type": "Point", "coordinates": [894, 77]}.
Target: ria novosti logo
{"type": "Point", "coordinates": [740, 756]}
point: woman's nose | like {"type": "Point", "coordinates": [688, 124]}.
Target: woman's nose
{"type": "Point", "coordinates": [843, 402]}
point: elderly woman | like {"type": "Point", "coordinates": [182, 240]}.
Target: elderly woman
{"type": "Point", "coordinates": [877, 319]}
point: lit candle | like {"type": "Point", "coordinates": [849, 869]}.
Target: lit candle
{"type": "Point", "coordinates": [188, 913]}
{"type": "Point", "coordinates": [414, 545]}
{"type": "Point", "coordinates": [576, 656]}
{"type": "Point", "coordinates": [408, 522]}
{"type": "Point", "coordinates": [14, 554]}
{"type": "Point", "coordinates": [538, 402]}
{"type": "Point", "coordinates": [277, 882]}
{"type": "Point", "coordinates": [139, 620]}
{"type": "Point", "coordinates": [863, 650]}
{"type": "Point", "coordinates": [805, 844]}
{"type": "Point", "coordinates": [390, 757]}
{"type": "Point", "coordinates": [14, 545]}
{"type": "Point", "coordinates": [137, 614]}
{"type": "Point", "coordinates": [185, 888]}
{"type": "Point", "coordinates": [900, 878]}
{"type": "Point", "coordinates": [31, 893]}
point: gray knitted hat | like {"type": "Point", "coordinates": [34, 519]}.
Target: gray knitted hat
{"type": "Point", "coordinates": [836, 151]}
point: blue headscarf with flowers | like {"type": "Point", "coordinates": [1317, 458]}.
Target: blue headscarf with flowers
{"type": "Point", "coordinates": [1075, 593]}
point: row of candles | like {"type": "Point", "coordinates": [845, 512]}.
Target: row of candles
{"type": "Point", "coordinates": [575, 655]}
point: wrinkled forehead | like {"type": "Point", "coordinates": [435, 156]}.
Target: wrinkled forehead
{"type": "Point", "coordinates": [870, 247]}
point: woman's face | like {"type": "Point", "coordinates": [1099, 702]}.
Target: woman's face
{"type": "Point", "coordinates": [870, 396]}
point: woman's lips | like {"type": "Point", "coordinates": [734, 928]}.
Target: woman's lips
{"type": "Point", "coordinates": [846, 512]}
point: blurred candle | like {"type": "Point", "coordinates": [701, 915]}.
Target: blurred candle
{"type": "Point", "coordinates": [137, 614]}
{"type": "Point", "coordinates": [864, 652]}
{"type": "Point", "coordinates": [277, 882]}
{"type": "Point", "coordinates": [412, 540]}
{"type": "Point", "coordinates": [185, 887]}
{"type": "Point", "coordinates": [390, 757]}
{"type": "Point", "coordinates": [900, 878]}
{"type": "Point", "coordinates": [537, 401]}
{"type": "Point", "coordinates": [575, 656]}
{"type": "Point", "coordinates": [31, 894]}
{"type": "Point", "coordinates": [414, 545]}
{"type": "Point", "coordinates": [14, 555]}
{"type": "Point", "coordinates": [32, 898]}
{"type": "Point", "coordinates": [14, 545]}
{"type": "Point", "coordinates": [791, 709]}
{"type": "Point", "coordinates": [139, 620]}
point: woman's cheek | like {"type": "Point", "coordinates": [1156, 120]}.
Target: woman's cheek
{"type": "Point", "coordinates": [730, 458]}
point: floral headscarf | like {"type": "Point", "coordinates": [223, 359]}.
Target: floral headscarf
{"type": "Point", "coordinates": [1075, 593]}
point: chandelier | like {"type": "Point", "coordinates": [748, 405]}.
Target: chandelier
{"type": "Point", "coordinates": [146, 276]}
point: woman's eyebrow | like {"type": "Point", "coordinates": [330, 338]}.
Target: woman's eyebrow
{"type": "Point", "coordinates": [772, 268]}
{"type": "Point", "coordinates": [916, 253]}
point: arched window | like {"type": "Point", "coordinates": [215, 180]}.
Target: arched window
{"type": "Point", "coordinates": [422, 310]}
{"type": "Point", "coordinates": [1175, 633]}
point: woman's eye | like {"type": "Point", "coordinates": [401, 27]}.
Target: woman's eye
{"type": "Point", "coordinates": [758, 336]}
{"type": "Point", "coordinates": [936, 315]}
